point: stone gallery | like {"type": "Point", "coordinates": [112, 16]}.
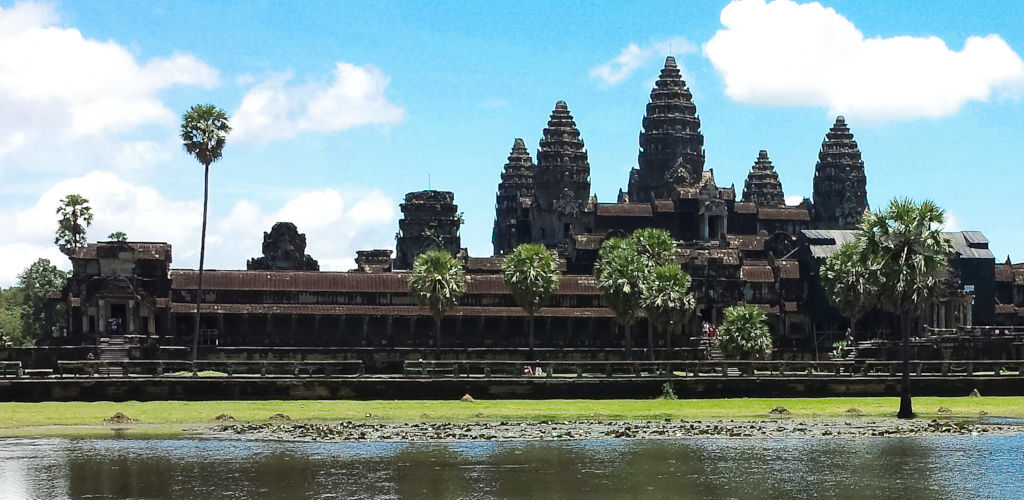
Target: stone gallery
{"type": "Point", "coordinates": [749, 247]}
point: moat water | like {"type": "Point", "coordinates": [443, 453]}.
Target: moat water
{"type": "Point", "coordinates": [910, 467]}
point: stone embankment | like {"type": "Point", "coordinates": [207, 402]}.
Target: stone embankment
{"type": "Point", "coordinates": [573, 430]}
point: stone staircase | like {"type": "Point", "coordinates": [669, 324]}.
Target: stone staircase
{"type": "Point", "coordinates": [715, 354]}
{"type": "Point", "coordinates": [113, 350]}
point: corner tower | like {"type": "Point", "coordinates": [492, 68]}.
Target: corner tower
{"type": "Point", "coordinates": [562, 181]}
{"type": "Point", "coordinates": [762, 186]}
{"type": "Point", "coordinates": [671, 143]}
{"type": "Point", "coordinates": [512, 204]}
{"type": "Point", "coordinates": [840, 185]}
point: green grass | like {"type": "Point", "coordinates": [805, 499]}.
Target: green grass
{"type": "Point", "coordinates": [172, 418]}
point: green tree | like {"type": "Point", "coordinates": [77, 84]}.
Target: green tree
{"type": "Point", "coordinates": [655, 248]}
{"type": "Point", "coordinates": [620, 274]}
{"type": "Point", "coordinates": [117, 236]}
{"type": "Point", "coordinates": [849, 277]}
{"type": "Point", "coordinates": [437, 283]}
{"type": "Point", "coordinates": [744, 333]}
{"type": "Point", "coordinates": [74, 217]}
{"type": "Point", "coordinates": [667, 300]}
{"type": "Point", "coordinates": [531, 274]}
{"type": "Point", "coordinates": [12, 306]}
{"type": "Point", "coordinates": [204, 131]}
{"type": "Point", "coordinates": [910, 257]}
{"type": "Point", "coordinates": [37, 282]}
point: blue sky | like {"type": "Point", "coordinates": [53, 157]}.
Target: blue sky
{"type": "Point", "coordinates": [340, 109]}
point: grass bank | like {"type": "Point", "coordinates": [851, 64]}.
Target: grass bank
{"type": "Point", "coordinates": [174, 418]}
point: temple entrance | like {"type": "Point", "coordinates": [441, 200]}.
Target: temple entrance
{"type": "Point", "coordinates": [118, 318]}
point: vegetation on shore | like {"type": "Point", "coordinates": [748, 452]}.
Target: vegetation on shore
{"type": "Point", "coordinates": [172, 418]}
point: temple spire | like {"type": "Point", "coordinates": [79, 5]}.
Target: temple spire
{"type": "Point", "coordinates": [840, 184]}
{"type": "Point", "coordinates": [562, 181]}
{"type": "Point", "coordinates": [762, 185]}
{"type": "Point", "coordinates": [671, 143]}
{"type": "Point", "coordinates": [515, 195]}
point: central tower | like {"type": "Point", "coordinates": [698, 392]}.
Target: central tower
{"type": "Point", "coordinates": [671, 144]}
{"type": "Point", "coordinates": [562, 181]}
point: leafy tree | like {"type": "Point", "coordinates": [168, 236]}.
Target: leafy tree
{"type": "Point", "coordinates": [531, 274]}
{"type": "Point", "coordinates": [11, 309]}
{"type": "Point", "coordinates": [75, 217]}
{"type": "Point", "coordinates": [848, 277]}
{"type": "Point", "coordinates": [437, 283]}
{"type": "Point", "coordinates": [37, 282]}
{"type": "Point", "coordinates": [655, 248]}
{"type": "Point", "coordinates": [744, 333]}
{"type": "Point", "coordinates": [204, 131]}
{"type": "Point", "coordinates": [620, 274]}
{"type": "Point", "coordinates": [118, 236]}
{"type": "Point", "coordinates": [667, 300]}
{"type": "Point", "coordinates": [910, 257]}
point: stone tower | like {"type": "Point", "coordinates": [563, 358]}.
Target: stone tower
{"type": "Point", "coordinates": [671, 144]}
{"type": "Point", "coordinates": [840, 186]}
{"type": "Point", "coordinates": [430, 220]}
{"type": "Point", "coordinates": [763, 186]}
{"type": "Point", "coordinates": [515, 195]}
{"type": "Point", "coordinates": [284, 249]}
{"type": "Point", "coordinates": [562, 181]}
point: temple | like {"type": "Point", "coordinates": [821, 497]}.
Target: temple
{"type": "Point", "coordinates": [753, 249]}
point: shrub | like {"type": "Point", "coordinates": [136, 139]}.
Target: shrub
{"type": "Point", "coordinates": [744, 334]}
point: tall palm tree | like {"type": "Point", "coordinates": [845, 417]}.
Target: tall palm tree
{"type": "Point", "coordinates": [437, 283]}
{"type": "Point", "coordinates": [667, 300]}
{"type": "Point", "coordinates": [204, 130]}
{"type": "Point", "coordinates": [911, 256]}
{"type": "Point", "coordinates": [848, 277]}
{"type": "Point", "coordinates": [655, 248]}
{"type": "Point", "coordinates": [531, 274]}
{"type": "Point", "coordinates": [620, 274]}
{"type": "Point", "coordinates": [75, 217]}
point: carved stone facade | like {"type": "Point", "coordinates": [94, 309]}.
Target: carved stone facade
{"type": "Point", "coordinates": [430, 219]}
{"type": "Point", "coordinates": [840, 184]}
{"type": "Point", "coordinates": [284, 249]}
{"type": "Point", "coordinates": [515, 196]}
{"type": "Point", "coordinates": [562, 183]}
{"type": "Point", "coordinates": [762, 186]}
{"type": "Point", "coordinates": [671, 143]}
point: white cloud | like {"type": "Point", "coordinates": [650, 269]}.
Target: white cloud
{"type": "Point", "coordinates": [274, 110]}
{"type": "Point", "coordinates": [56, 82]}
{"type": "Point", "coordinates": [336, 224]}
{"type": "Point", "coordinates": [634, 57]}
{"type": "Point", "coordinates": [794, 200]}
{"type": "Point", "coordinates": [788, 54]}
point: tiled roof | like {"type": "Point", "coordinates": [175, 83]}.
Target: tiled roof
{"type": "Point", "coordinates": [1004, 273]}
{"type": "Point", "coordinates": [748, 242]}
{"type": "Point", "coordinates": [788, 269]}
{"type": "Point", "coordinates": [625, 209]}
{"type": "Point", "coordinates": [588, 241]}
{"type": "Point", "coordinates": [664, 206]}
{"type": "Point", "coordinates": [587, 312]}
{"type": "Point", "coordinates": [745, 208]}
{"type": "Point", "coordinates": [788, 213]}
{"type": "Point", "coordinates": [757, 274]}
{"type": "Point", "coordinates": [1006, 309]}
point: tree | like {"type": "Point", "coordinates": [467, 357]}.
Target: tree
{"type": "Point", "coordinates": [744, 333]}
{"type": "Point", "coordinates": [655, 248]}
{"type": "Point", "coordinates": [531, 274]}
{"type": "Point", "coordinates": [117, 236]}
{"type": "Point", "coordinates": [37, 282]}
{"type": "Point", "coordinates": [437, 283]}
{"type": "Point", "coordinates": [910, 257]}
{"type": "Point", "coordinates": [848, 277]}
{"type": "Point", "coordinates": [12, 306]}
{"type": "Point", "coordinates": [75, 217]}
{"type": "Point", "coordinates": [204, 131]}
{"type": "Point", "coordinates": [620, 274]}
{"type": "Point", "coordinates": [667, 300]}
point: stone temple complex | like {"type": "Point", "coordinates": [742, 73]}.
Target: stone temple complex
{"type": "Point", "coordinates": [748, 247]}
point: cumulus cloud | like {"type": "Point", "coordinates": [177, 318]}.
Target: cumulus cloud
{"type": "Point", "coordinates": [793, 200]}
{"type": "Point", "coordinates": [788, 54]}
{"type": "Point", "coordinates": [275, 109]}
{"type": "Point", "coordinates": [634, 57]}
{"type": "Point", "coordinates": [336, 224]}
{"type": "Point", "coordinates": [56, 82]}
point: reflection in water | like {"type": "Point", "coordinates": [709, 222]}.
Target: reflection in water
{"type": "Point", "coordinates": [925, 467]}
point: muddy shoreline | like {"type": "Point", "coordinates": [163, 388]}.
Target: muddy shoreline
{"type": "Point", "coordinates": [580, 430]}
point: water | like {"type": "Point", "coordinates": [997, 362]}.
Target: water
{"type": "Point", "coordinates": [919, 467]}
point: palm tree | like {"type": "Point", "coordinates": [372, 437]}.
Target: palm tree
{"type": "Point", "coordinates": [437, 283]}
{"type": "Point", "coordinates": [620, 274]}
{"type": "Point", "coordinates": [911, 256]}
{"type": "Point", "coordinates": [655, 248]}
{"type": "Point", "coordinates": [204, 130]}
{"type": "Point", "coordinates": [744, 333]}
{"type": "Point", "coordinates": [75, 216]}
{"type": "Point", "coordinates": [531, 274]}
{"type": "Point", "coordinates": [667, 300]}
{"type": "Point", "coordinates": [849, 282]}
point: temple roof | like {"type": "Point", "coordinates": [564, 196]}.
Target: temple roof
{"type": "Point", "coordinates": [840, 184]}
{"type": "Point", "coordinates": [762, 185]}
